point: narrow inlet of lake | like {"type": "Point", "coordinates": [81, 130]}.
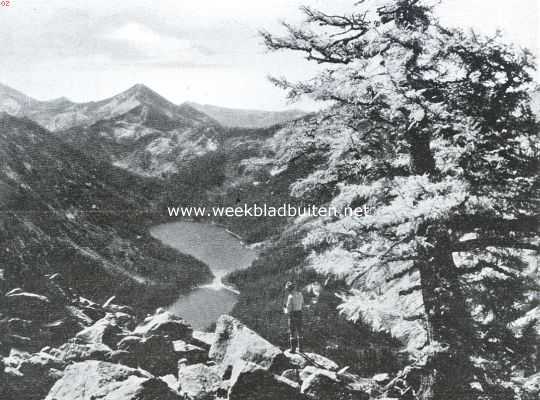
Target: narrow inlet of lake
{"type": "Point", "coordinates": [217, 248]}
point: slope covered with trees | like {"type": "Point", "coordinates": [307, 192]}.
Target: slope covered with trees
{"type": "Point", "coordinates": [63, 212]}
{"type": "Point", "coordinates": [432, 128]}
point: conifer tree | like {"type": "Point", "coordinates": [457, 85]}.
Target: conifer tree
{"type": "Point", "coordinates": [432, 128]}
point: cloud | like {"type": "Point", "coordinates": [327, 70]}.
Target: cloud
{"type": "Point", "coordinates": [155, 47]}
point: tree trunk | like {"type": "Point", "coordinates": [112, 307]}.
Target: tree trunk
{"type": "Point", "coordinates": [422, 160]}
{"type": "Point", "coordinates": [448, 368]}
{"type": "Point", "coordinates": [446, 373]}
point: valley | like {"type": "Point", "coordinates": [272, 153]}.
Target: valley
{"type": "Point", "coordinates": [84, 191]}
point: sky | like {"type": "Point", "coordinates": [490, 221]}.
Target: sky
{"type": "Point", "coordinates": [206, 51]}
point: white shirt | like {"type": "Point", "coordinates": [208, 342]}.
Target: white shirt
{"type": "Point", "coordinates": [295, 302]}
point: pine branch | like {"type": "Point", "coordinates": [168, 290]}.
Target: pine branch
{"type": "Point", "coordinates": [474, 244]}
{"type": "Point", "coordinates": [522, 224]}
{"type": "Point", "coordinates": [402, 273]}
{"type": "Point", "coordinates": [483, 265]}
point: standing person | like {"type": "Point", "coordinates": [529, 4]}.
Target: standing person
{"type": "Point", "coordinates": [293, 308]}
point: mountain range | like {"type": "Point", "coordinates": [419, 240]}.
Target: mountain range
{"type": "Point", "coordinates": [77, 186]}
{"type": "Point", "coordinates": [138, 129]}
{"type": "Point", "coordinates": [238, 118]}
{"type": "Point", "coordinates": [61, 113]}
{"type": "Point", "coordinates": [76, 180]}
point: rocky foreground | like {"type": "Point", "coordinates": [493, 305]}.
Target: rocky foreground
{"type": "Point", "coordinates": [58, 345]}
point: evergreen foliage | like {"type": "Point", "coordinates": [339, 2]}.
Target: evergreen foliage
{"type": "Point", "coordinates": [432, 128]}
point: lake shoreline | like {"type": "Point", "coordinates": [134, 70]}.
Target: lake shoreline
{"type": "Point", "coordinates": [216, 246]}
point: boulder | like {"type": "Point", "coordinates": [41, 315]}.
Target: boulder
{"type": "Point", "coordinates": [104, 331]}
{"type": "Point", "coordinates": [32, 378]}
{"type": "Point", "coordinates": [130, 343]}
{"type": "Point", "coordinates": [106, 381]}
{"type": "Point", "coordinates": [302, 360]}
{"type": "Point", "coordinates": [291, 374]}
{"type": "Point", "coordinates": [125, 321]}
{"type": "Point", "coordinates": [91, 309]}
{"type": "Point", "coordinates": [79, 315]}
{"type": "Point", "coordinates": [41, 360]}
{"type": "Point", "coordinates": [531, 386]}
{"type": "Point", "coordinates": [323, 384]}
{"type": "Point", "coordinates": [253, 382]}
{"type": "Point", "coordinates": [33, 335]}
{"type": "Point", "coordinates": [171, 381]}
{"type": "Point", "coordinates": [155, 354]}
{"type": "Point", "coordinates": [382, 379]}
{"type": "Point", "coordinates": [235, 344]}
{"type": "Point", "coordinates": [60, 330]}
{"type": "Point", "coordinates": [199, 381]}
{"type": "Point", "coordinates": [165, 324]}
{"type": "Point", "coordinates": [193, 354]}
{"type": "Point", "coordinates": [110, 306]}
{"type": "Point", "coordinates": [75, 352]}
{"type": "Point", "coordinates": [203, 339]}
{"type": "Point", "coordinates": [31, 306]}
{"type": "Point", "coordinates": [124, 357]}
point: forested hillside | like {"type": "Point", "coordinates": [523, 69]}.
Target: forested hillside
{"type": "Point", "coordinates": [433, 129]}
{"type": "Point", "coordinates": [63, 212]}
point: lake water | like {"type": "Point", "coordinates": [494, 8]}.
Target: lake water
{"type": "Point", "coordinates": [217, 248]}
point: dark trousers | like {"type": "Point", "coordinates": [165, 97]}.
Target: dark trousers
{"type": "Point", "coordinates": [295, 324]}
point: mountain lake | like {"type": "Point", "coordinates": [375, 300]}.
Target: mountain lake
{"type": "Point", "coordinates": [221, 251]}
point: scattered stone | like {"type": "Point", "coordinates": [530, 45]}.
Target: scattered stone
{"type": "Point", "coordinates": [106, 381]}
{"type": "Point", "coordinates": [253, 382]}
{"type": "Point", "coordinates": [125, 321]}
{"type": "Point", "coordinates": [171, 381]}
{"type": "Point", "coordinates": [302, 360]}
{"type": "Point", "coordinates": [124, 357]}
{"type": "Point", "coordinates": [165, 324]}
{"type": "Point", "coordinates": [199, 381]}
{"type": "Point", "coordinates": [108, 302]}
{"type": "Point", "coordinates": [155, 354]}
{"type": "Point", "coordinates": [323, 384]}
{"type": "Point", "coordinates": [235, 343]}
{"type": "Point", "coordinates": [191, 353]}
{"type": "Point", "coordinates": [79, 315]}
{"type": "Point", "coordinates": [32, 378]}
{"type": "Point", "coordinates": [382, 379]}
{"type": "Point", "coordinates": [130, 343]}
{"type": "Point", "coordinates": [75, 352]}
{"type": "Point", "coordinates": [31, 306]}
{"type": "Point", "coordinates": [115, 308]}
{"type": "Point", "coordinates": [291, 374]}
{"type": "Point", "coordinates": [203, 339]}
{"type": "Point", "coordinates": [41, 360]}
{"type": "Point", "coordinates": [531, 386]}
{"type": "Point", "coordinates": [105, 331]}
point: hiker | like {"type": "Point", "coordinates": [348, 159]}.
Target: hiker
{"type": "Point", "coordinates": [293, 308]}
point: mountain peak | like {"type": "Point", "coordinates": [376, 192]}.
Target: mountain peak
{"type": "Point", "coordinates": [141, 89]}
{"type": "Point", "coordinates": [143, 95]}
